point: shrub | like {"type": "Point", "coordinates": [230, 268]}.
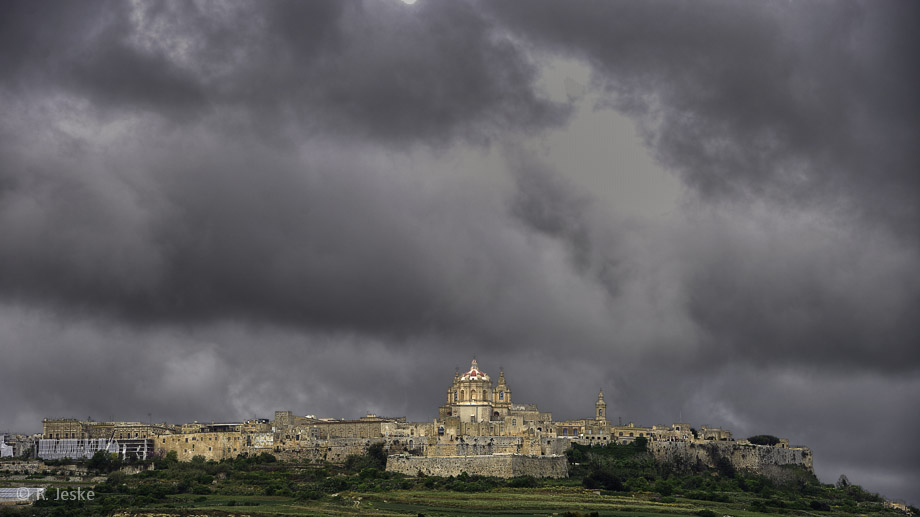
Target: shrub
{"type": "Point", "coordinates": [820, 506]}
{"type": "Point", "coordinates": [309, 495]}
{"type": "Point", "coordinates": [603, 479]}
{"type": "Point", "coordinates": [369, 473]}
{"type": "Point", "coordinates": [764, 439]}
{"type": "Point", "coordinates": [706, 513]}
{"type": "Point", "coordinates": [523, 482]}
{"type": "Point", "coordinates": [200, 490]}
{"type": "Point", "coordinates": [725, 467]}
{"type": "Point", "coordinates": [664, 488]}
{"type": "Point", "coordinates": [637, 483]}
{"type": "Point", "coordinates": [758, 506]}
{"type": "Point", "coordinates": [266, 457]}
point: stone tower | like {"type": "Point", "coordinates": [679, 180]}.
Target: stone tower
{"type": "Point", "coordinates": [600, 413]}
{"type": "Point", "coordinates": [502, 394]}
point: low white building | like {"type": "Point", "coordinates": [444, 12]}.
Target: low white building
{"type": "Point", "coordinates": [20, 495]}
{"type": "Point", "coordinates": [6, 451]}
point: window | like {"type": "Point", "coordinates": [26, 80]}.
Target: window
{"type": "Point", "coordinates": [514, 421]}
{"type": "Point", "coordinates": [455, 396]}
{"type": "Point", "coordinates": [565, 432]}
{"type": "Point", "coordinates": [462, 396]}
{"type": "Point", "coordinates": [501, 395]}
{"type": "Point", "coordinates": [472, 394]}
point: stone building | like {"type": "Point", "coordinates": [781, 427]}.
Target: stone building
{"type": "Point", "coordinates": [588, 431]}
{"type": "Point", "coordinates": [207, 444]}
{"type": "Point", "coordinates": [478, 429]}
{"type": "Point", "coordinates": [477, 408]}
{"type": "Point", "coordinates": [71, 428]}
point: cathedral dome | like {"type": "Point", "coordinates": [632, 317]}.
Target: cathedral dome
{"type": "Point", "coordinates": [475, 374]}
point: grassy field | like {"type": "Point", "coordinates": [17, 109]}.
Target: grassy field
{"type": "Point", "coordinates": [546, 500]}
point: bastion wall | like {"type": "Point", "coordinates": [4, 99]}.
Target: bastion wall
{"type": "Point", "coordinates": [753, 458]}
{"type": "Point", "coordinates": [497, 465]}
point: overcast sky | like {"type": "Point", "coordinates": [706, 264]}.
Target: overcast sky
{"type": "Point", "coordinates": [213, 210]}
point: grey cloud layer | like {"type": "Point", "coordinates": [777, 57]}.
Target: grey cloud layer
{"type": "Point", "coordinates": [799, 103]}
{"type": "Point", "coordinates": [269, 194]}
{"type": "Point", "coordinates": [354, 68]}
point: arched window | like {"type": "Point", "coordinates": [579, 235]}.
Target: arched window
{"type": "Point", "coordinates": [455, 396]}
{"type": "Point", "coordinates": [472, 394]}
{"type": "Point", "coordinates": [462, 396]}
{"type": "Point", "coordinates": [501, 395]}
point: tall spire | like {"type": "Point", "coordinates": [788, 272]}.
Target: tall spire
{"type": "Point", "coordinates": [600, 406]}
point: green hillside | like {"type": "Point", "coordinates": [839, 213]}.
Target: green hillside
{"type": "Point", "coordinates": [612, 480]}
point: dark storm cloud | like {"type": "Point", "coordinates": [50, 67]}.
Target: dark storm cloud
{"type": "Point", "coordinates": [172, 233]}
{"type": "Point", "coordinates": [795, 102]}
{"type": "Point", "coordinates": [372, 69]}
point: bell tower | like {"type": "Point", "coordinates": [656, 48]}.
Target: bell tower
{"type": "Point", "coordinates": [502, 394]}
{"type": "Point", "coordinates": [600, 413]}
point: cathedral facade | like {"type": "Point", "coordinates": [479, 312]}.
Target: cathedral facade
{"type": "Point", "coordinates": [472, 397]}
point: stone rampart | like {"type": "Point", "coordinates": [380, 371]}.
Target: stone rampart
{"type": "Point", "coordinates": [497, 465]}
{"type": "Point", "coordinates": [760, 459]}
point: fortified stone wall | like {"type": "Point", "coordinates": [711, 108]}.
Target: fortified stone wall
{"type": "Point", "coordinates": [333, 450]}
{"type": "Point", "coordinates": [539, 466]}
{"type": "Point", "coordinates": [485, 445]}
{"type": "Point", "coordinates": [754, 458]}
{"type": "Point", "coordinates": [498, 465]}
{"type": "Point", "coordinates": [212, 446]}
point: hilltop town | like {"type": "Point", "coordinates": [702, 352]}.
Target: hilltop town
{"type": "Point", "coordinates": [480, 429]}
